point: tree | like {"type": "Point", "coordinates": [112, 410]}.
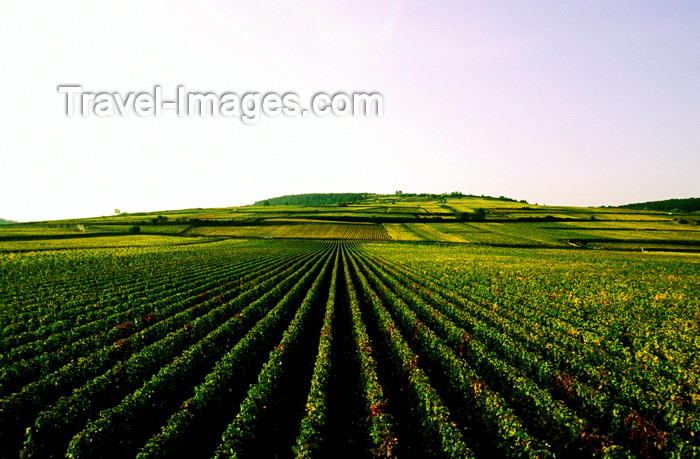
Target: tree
{"type": "Point", "coordinates": [117, 211]}
{"type": "Point", "coordinates": [479, 214]}
{"type": "Point", "coordinates": [134, 229]}
{"type": "Point", "coordinates": [159, 219]}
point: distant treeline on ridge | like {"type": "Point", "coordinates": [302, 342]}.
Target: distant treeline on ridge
{"type": "Point", "coordinates": [329, 199]}
{"type": "Point", "coordinates": [314, 199]}
{"type": "Point", "coordinates": [668, 205]}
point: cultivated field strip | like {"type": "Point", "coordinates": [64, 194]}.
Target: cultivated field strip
{"type": "Point", "coordinates": [73, 324]}
{"type": "Point", "coordinates": [323, 231]}
{"type": "Point", "coordinates": [321, 349]}
{"type": "Point", "coordinates": [643, 406]}
{"type": "Point", "coordinates": [69, 302]}
{"type": "Point", "coordinates": [53, 426]}
{"type": "Point", "coordinates": [69, 276]}
{"type": "Point", "coordinates": [151, 314]}
{"type": "Point", "coordinates": [115, 344]}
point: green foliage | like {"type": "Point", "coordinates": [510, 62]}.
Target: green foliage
{"type": "Point", "coordinates": [270, 377]}
{"type": "Point", "coordinates": [314, 199]}
{"type": "Point", "coordinates": [159, 220]}
{"type": "Point", "coordinates": [308, 443]}
{"type": "Point", "coordinates": [479, 215]}
{"type": "Point", "coordinates": [512, 352]}
{"type": "Point", "coordinates": [668, 205]}
{"type": "Point", "coordinates": [233, 363]}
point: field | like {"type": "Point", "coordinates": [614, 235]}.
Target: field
{"type": "Point", "coordinates": [338, 231]}
{"type": "Point", "coordinates": [397, 218]}
{"type": "Point", "coordinates": [273, 335]}
{"type": "Point", "coordinates": [103, 241]}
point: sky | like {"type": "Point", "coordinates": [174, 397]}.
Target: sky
{"type": "Point", "coordinates": [581, 103]}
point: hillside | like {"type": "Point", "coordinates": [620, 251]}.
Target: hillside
{"type": "Point", "coordinates": [668, 205]}
{"type": "Point", "coordinates": [401, 217]}
{"type": "Point", "coordinates": [4, 222]}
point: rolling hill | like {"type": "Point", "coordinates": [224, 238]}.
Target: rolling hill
{"type": "Point", "coordinates": [452, 218]}
{"type": "Point", "coordinates": [394, 326]}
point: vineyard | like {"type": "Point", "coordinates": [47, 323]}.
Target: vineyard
{"type": "Point", "coordinates": [324, 349]}
{"type": "Point", "coordinates": [360, 232]}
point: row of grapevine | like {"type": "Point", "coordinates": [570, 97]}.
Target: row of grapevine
{"type": "Point", "coordinates": [614, 402]}
{"type": "Point", "coordinates": [54, 426]}
{"type": "Point", "coordinates": [235, 364]}
{"type": "Point", "coordinates": [270, 377]}
{"type": "Point", "coordinates": [434, 415]}
{"type": "Point", "coordinates": [269, 348]}
{"type": "Point", "coordinates": [309, 440]}
{"type": "Point", "coordinates": [374, 399]}
{"type": "Point", "coordinates": [25, 362]}
{"type": "Point", "coordinates": [34, 321]}
{"type": "Point", "coordinates": [621, 402]}
{"type": "Point", "coordinates": [434, 333]}
{"type": "Point", "coordinates": [499, 371]}
{"type": "Point", "coordinates": [162, 319]}
{"type": "Point", "coordinates": [120, 362]}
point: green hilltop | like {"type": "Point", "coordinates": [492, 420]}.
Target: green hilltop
{"type": "Point", "coordinates": [314, 199]}
{"type": "Point", "coordinates": [330, 199]}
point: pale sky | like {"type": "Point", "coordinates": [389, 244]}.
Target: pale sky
{"type": "Point", "coordinates": [561, 103]}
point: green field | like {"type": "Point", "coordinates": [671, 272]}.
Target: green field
{"type": "Point", "coordinates": [398, 218]}
{"type": "Point", "coordinates": [388, 328]}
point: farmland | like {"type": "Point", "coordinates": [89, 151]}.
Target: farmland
{"type": "Point", "coordinates": [337, 231]}
{"type": "Point", "coordinates": [387, 218]}
{"type": "Point", "coordinates": [292, 333]}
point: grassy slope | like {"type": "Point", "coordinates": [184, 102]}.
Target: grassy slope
{"type": "Point", "coordinates": [396, 218]}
